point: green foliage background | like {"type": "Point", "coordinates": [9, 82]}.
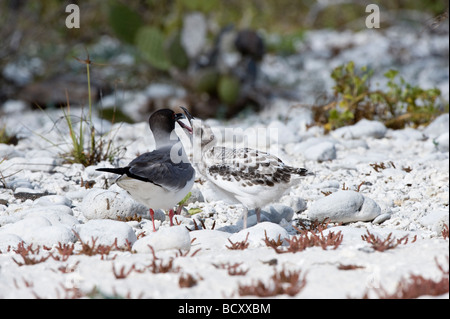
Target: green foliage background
{"type": "Point", "coordinates": [37, 28]}
{"type": "Point", "coordinates": [149, 30]}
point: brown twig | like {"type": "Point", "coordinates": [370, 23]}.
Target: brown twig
{"type": "Point", "coordinates": [283, 282]}
{"type": "Point", "coordinates": [232, 269]}
{"type": "Point", "coordinates": [310, 239]}
{"type": "Point", "coordinates": [241, 245]}
{"type": "Point", "coordinates": [384, 244]}
{"type": "Point", "coordinates": [416, 285]}
{"type": "Point", "coordinates": [187, 281]}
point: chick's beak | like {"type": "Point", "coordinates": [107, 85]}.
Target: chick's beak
{"type": "Point", "coordinates": [178, 118]}
{"type": "Point", "coordinates": [188, 115]}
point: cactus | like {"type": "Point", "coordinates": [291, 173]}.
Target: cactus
{"type": "Point", "coordinates": [206, 80]}
{"type": "Point", "coordinates": [228, 89]}
{"type": "Point", "coordinates": [124, 21]}
{"type": "Point", "coordinates": [201, 5]}
{"type": "Point", "coordinates": [150, 42]}
{"type": "Point", "coordinates": [176, 53]}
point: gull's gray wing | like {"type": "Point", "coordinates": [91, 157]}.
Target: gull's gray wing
{"type": "Point", "coordinates": [157, 167]}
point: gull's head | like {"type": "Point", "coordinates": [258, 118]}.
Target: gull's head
{"type": "Point", "coordinates": [162, 124]}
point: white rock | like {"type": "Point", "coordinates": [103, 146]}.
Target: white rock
{"type": "Point", "coordinates": [147, 226]}
{"type": "Point", "coordinates": [26, 227]}
{"type": "Point", "coordinates": [40, 231]}
{"type": "Point", "coordinates": [108, 204]}
{"type": "Point", "coordinates": [297, 203]}
{"type": "Point", "coordinates": [40, 164]}
{"type": "Point", "coordinates": [329, 184]}
{"type": "Point", "coordinates": [208, 239]}
{"type": "Point", "coordinates": [51, 200]}
{"type": "Point", "coordinates": [381, 218]}
{"type": "Point", "coordinates": [175, 237]}
{"type": "Point", "coordinates": [196, 195]}
{"type": "Point", "coordinates": [8, 151]}
{"type": "Point", "coordinates": [183, 220]}
{"type": "Point", "coordinates": [106, 231]}
{"type": "Point", "coordinates": [441, 142]}
{"type": "Point", "coordinates": [284, 134]}
{"type": "Point", "coordinates": [300, 148]}
{"type": "Point", "coordinates": [251, 220]}
{"type": "Point", "coordinates": [9, 241]}
{"type": "Point", "coordinates": [56, 214]}
{"type": "Point", "coordinates": [407, 134]}
{"type": "Point", "coordinates": [435, 220]}
{"type": "Point", "coordinates": [438, 127]}
{"type": "Point", "coordinates": [257, 234]}
{"type": "Point", "coordinates": [275, 212]}
{"type": "Point", "coordinates": [20, 183]}
{"type": "Point", "coordinates": [159, 215]}
{"type": "Point", "coordinates": [26, 190]}
{"type": "Point", "coordinates": [363, 129]}
{"type": "Point", "coordinates": [321, 152]}
{"type": "Point", "coordinates": [351, 235]}
{"type": "Point", "coordinates": [60, 209]}
{"type": "Point", "coordinates": [12, 106]}
{"type": "Point", "coordinates": [51, 235]}
{"type": "Point", "coordinates": [344, 207]}
{"type": "Point", "coordinates": [353, 144]}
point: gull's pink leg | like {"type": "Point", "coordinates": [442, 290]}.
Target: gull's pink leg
{"type": "Point", "coordinates": [152, 215]}
{"type": "Point", "coordinates": [171, 213]}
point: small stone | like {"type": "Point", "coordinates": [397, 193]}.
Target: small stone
{"type": "Point", "coordinates": [439, 126]}
{"type": "Point", "coordinates": [175, 237]}
{"type": "Point", "coordinates": [344, 207]}
{"type": "Point", "coordinates": [208, 239]}
{"type": "Point", "coordinates": [321, 152]}
{"type": "Point", "coordinates": [275, 212]}
{"type": "Point", "coordinates": [435, 220]}
{"type": "Point", "coordinates": [363, 129]}
{"type": "Point", "coordinates": [51, 200]}
{"type": "Point", "coordinates": [442, 142]}
{"type": "Point", "coordinates": [381, 219]}
{"type": "Point", "coordinates": [105, 232]}
{"type": "Point", "coordinates": [297, 203]}
{"type": "Point", "coordinates": [111, 204]}
{"type": "Point", "coordinates": [51, 235]}
{"type": "Point", "coordinates": [8, 242]}
{"type": "Point", "coordinates": [257, 234]}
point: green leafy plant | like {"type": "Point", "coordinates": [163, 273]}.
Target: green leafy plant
{"type": "Point", "coordinates": [194, 210]}
{"type": "Point", "coordinates": [399, 105]}
{"type": "Point", "coordinates": [182, 203]}
{"type": "Point", "coordinates": [408, 103]}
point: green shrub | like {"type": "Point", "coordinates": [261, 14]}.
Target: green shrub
{"type": "Point", "coordinates": [401, 104]}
